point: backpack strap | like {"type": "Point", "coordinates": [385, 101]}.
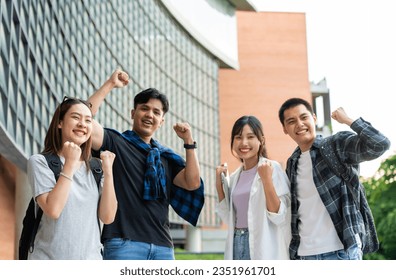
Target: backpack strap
{"type": "Point", "coordinates": [38, 214]}
{"type": "Point", "coordinates": [96, 168]}
{"type": "Point", "coordinates": [55, 165]}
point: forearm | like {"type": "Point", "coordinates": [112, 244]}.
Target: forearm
{"type": "Point", "coordinates": [374, 137]}
{"type": "Point", "coordinates": [54, 201]}
{"type": "Point", "coordinates": [96, 100]}
{"type": "Point", "coordinates": [368, 144]}
{"type": "Point", "coordinates": [219, 188]}
{"type": "Point", "coordinates": [108, 201]}
{"type": "Point", "coordinates": [271, 197]}
{"type": "Point", "coordinates": [97, 135]}
{"type": "Point", "coordinates": [117, 80]}
{"type": "Point", "coordinates": [98, 97]}
{"type": "Point", "coordinates": [192, 170]}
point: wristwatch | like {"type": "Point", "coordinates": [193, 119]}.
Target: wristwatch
{"type": "Point", "coordinates": [190, 146]}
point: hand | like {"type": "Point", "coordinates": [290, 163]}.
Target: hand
{"type": "Point", "coordinates": [72, 155]}
{"type": "Point", "coordinates": [119, 78]}
{"type": "Point", "coordinates": [183, 130]}
{"type": "Point", "coordinates": [107, 158]}
{"type": "Point", "coordinates": [223, 168]}
{"type": "Point", "coordinates": [340, 116]}
{"type": "Point", "coordinates": [265, 169]}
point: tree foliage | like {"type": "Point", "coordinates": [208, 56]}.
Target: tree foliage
{"type": "Point", "coordinates": [381, 194]}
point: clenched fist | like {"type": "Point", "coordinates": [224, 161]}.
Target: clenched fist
{"type": "Point", "coordinates": [107, 158]}
{"type": "Point", "coordinates": [183, 130]}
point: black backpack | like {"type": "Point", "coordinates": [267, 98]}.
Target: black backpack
{"type": "Point", "coordinates": [31, 220]}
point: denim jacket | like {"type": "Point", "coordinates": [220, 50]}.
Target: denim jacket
{"type": "Point", "coordinates": [365, 144]}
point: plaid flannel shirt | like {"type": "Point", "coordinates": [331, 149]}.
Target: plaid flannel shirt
{"type": "Point", "coordinates": [352, 148]}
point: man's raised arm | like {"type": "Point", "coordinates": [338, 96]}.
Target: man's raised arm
{"type": "Point", "coordinates": [118, 79]}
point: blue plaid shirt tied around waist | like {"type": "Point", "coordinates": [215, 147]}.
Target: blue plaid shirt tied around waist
{"type": "Point", "coordinates": [187, 204]}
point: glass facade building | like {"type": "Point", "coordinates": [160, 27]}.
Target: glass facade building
{"type": "Point", "coordinates": [52, 49]}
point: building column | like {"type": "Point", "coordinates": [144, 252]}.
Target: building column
{"type": "Point", "coordinates": [23, 194]}
{"type": "Point", "coordinates": [194, 239]}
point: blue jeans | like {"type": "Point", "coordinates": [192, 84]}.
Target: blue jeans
{"type": "Point", "coordinates": [241, 249]}
{"type": "Point", "coordinates": [353, 253]}
{"type": "Point", "coordinates": [124, 249]}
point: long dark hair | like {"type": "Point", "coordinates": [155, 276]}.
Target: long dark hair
{"type": "Point", "coordinates": [53, 140]}
{"type": "Point", "coordinates": [257, 129]}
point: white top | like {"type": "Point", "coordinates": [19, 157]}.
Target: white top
{"type": "Point", "coordinates": [317, 232]}
{"type": "Point", "coordinates": [76, 234]}
{"type": "Point", "coordinates": [269, 233]}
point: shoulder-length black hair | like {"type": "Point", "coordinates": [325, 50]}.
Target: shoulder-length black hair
{"type": "Point", "coordinates": [257, 129]}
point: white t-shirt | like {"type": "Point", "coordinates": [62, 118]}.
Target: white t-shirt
{"type": "Point", "coordinates": [75, 235]}
{"type": "Point", "coordinates": [317, 232]}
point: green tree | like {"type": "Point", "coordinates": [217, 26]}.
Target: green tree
{"type": "Point", "coordinates": [381, 194]}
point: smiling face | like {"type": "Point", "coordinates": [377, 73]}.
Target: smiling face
{"type": "Point", "coordinates": [299, 124]}
{"type": "Point", "coordinates": [76, 124]}
{"type": "Point", "coordinates": [147, 118]}
{"type": "Point", "coordinates": [246, 146]}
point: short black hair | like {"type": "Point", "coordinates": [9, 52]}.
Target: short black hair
{"type": "Point", "coordinates": [290, 103]}
{"type": "Point", "coordinates": [151, 93]}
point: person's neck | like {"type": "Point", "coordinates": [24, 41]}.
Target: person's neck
{"type": "Point", "coordinates": [305, 148]}
{"type": "Point", "coordinates": [250, 163]}
{"type": "Point", "coordinates": [146, 139]}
